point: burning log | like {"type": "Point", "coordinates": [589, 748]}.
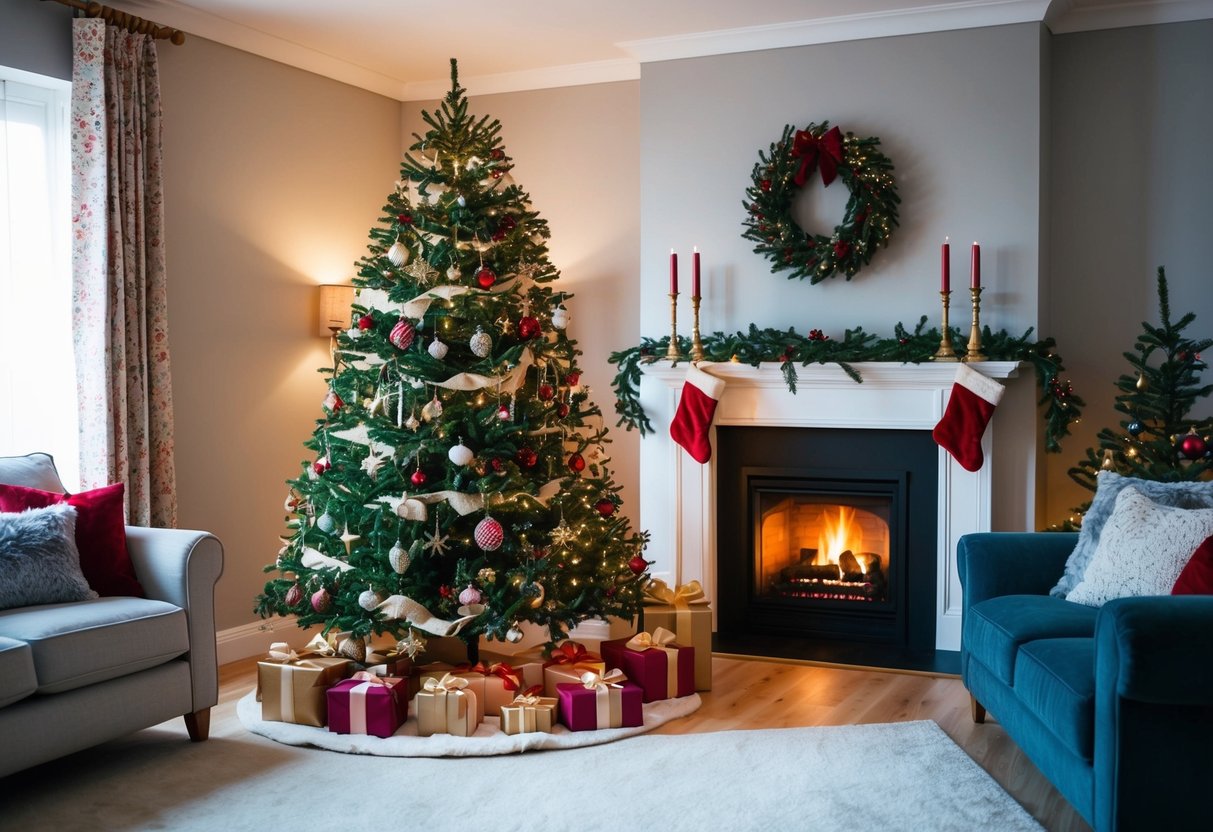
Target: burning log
{"type": "Point", "coordinates": [848, 564]}
{"type": "Point", "coordinates": [810, 572]}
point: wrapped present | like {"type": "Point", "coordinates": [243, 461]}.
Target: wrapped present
{"type": "Point", "coordinates": [430, 670]}
{"type": "Point", "coordinates": [388, 661]}
{"type": "Point", "coordinates": [565, 664]}
{"type": "Point", "coordinates": [368, 704]}
{"type": "Point", "coordinates": [446, 706]}
{"type": "Point", "coordinates": [529, 712]}
{"type": "Point", "coordinates": [291, 686]}
{"type": "Point", "coordinates": [600, 700]}
{"type": "Point", "coordinates": [528, 665]}
{"type": "Point", "coordinates": [685, 612]}
{"type": "Point", "coordinates": [503, 683]}
{"type": "Point", "coordinates": [662, 668]}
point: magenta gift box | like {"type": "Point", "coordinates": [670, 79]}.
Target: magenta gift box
{"type": "Point", "coordinates": [578, 706]}
{"type": "Point", "coordinates": [650, 668]}
{"type": "Point", "coordinates": [357, 706]}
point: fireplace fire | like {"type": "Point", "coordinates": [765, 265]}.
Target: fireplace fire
{"type": "Point", "coordinates": [814, 546]}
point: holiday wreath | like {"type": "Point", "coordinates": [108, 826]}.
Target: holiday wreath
{"type": "Point", "coordinates": [778, 176]}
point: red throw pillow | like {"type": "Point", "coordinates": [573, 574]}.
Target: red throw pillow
{"type": "Point", "coordinates": [100, 533]}
{"type": "Point", "coordinates": [1197, 577]}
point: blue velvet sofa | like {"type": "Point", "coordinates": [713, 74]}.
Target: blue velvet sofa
{"type": "Point", "coordinates": [1113, 704]}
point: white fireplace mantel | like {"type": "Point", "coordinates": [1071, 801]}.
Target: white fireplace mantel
{"type": "Point", "coordinates": [678, 495]}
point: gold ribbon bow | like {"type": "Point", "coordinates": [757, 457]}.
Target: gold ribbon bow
{"type": "Point", "coordinates": [660, 637]}
{"type": "Point", "coordinates": [528, 712]}
{"type": "Point", "coordinates": [659, 592]}
{"type": "Point", "coordinates": [446, 684]}
{"type": "Point", "coordinates": [608, 695]}
{"type": "Point", "coordinates": [319, 646]}
{"type": "Point", "coordinates": [613, 677]}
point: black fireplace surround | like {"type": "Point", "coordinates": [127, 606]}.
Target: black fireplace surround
{"type": "Point", "coordinates": [891, 625]}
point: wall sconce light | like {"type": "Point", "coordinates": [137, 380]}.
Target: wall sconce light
{"type": "Point", "coordinates": [335, 304]}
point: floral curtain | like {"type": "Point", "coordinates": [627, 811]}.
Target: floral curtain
{"type": "Point", "coordinates": [120, 304]}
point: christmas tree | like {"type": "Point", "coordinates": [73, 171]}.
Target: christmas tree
{"type": "Point", "coordinates": [1157, 440]}
{"type": "Point", "coordinates": [459, 482]}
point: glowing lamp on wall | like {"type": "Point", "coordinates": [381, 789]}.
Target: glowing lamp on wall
{"type": "Point", "coordinates": [335, 304]}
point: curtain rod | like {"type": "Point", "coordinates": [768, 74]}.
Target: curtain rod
{"type": "Point", "coordinates": [130, 22]}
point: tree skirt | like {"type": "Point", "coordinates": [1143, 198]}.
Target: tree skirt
{"type": "Point", "coordinates": [486, 742]}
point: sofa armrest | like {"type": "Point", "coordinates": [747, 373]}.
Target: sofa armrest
{"type": "Point", "coordinates": [1011, 563]}
{"type": "Point", "coordinates": [181, 567]}
{"type": "Point", "coordinates": [1156, 649]}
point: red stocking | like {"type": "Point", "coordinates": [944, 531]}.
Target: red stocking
{"type": "Point", "coordinates": [696, 408]}
{"type": "Point", "coordinates": [964, 421]}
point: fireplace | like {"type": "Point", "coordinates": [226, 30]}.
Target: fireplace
{"type": "Point", "coordinates": [833, 553]}
{"type": "Point", "coordinates": [695, 512]}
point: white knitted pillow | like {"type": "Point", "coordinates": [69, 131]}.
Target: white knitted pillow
{"type": "Point", "coordinates": [1143, 548]}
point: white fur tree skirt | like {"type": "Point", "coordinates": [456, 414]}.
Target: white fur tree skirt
{"type": "Point", "coordinates": [486, 742]}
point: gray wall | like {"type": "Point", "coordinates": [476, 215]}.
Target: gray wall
{"type": "Point", "coordinates": [36, 37]}
{"type": "Point", "coordinates": [1131, 171]}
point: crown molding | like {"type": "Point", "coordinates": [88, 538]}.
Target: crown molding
{"type": "Point", "coordinates": [1122, 15]}
{"type": "Point", "coordinates": [939, 18]}
{"type": "Point", "coordinates": [571, 75]}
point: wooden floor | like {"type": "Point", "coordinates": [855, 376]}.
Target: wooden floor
{"type": "Point", "coordinates": [768, 694]}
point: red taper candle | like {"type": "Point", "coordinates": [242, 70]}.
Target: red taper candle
{"type": "Point", "coordinates": [945, 267]}
{"type": "Point", "coordinates": [695, 273]}
{"type": "Point", "coordinates": [673, 272]}
{"type": "Point", "coordinates": [975, 267]}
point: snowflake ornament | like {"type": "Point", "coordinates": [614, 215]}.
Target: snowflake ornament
{"type": "Point", "coordinates": [437, 543]}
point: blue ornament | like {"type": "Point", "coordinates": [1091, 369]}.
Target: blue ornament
{"type": "Point", "coordinates": [1135, 428]}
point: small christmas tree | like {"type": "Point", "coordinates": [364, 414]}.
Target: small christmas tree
{"type": "Point", "coordinates": [1157, 441]}
{"type": "Point", "coordinates": [459, 483]}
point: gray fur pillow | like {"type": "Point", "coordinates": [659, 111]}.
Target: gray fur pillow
{"type": "Point", "coordinates": [39, 562]}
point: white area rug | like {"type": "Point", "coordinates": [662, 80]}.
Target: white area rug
{"type": "Point", "coordinates": [488, 741]}
{"type": "Point", "coordinates": [904, 776]}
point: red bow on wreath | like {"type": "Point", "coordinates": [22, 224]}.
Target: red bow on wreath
{"type": "Point", "coordinates": [810, 149]}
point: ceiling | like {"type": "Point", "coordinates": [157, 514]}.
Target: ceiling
{"type": "Point", "coordinates": [401, 48]}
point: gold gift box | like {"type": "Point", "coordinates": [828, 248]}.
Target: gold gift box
{"type": "Point", "coordinates": [528, 714]}
{"type": "Point", "coordinates": [446, 706]}
{"type": "Point", "coordinates": [294, 691]}
{"type": "Point", "coordinates": [684, 612]}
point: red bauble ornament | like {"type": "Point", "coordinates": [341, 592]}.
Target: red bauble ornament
{"type": "Point", "coordinates": [503, 413]}
{"type": "Point", "coordinates": [366, 322]}
{"type": "Point", "coordinates": [403, 334]}
{"type": "Point", "coordinates": [841, 249]}
{"type": "Point", "coordinates": [294, 595]}
{"type": "Point", "coordinates": [1193, 446]}
{"type": "Point", "coordinates": [605, 507]}
{"type": "Point", "coordinates": [497, 464]}
{"type": "Point", "coordinates": [526, 457]}
{"type": "Point", "coordinates": [528, 327]}
{"type": "Point", "coordinates": [321, 465]}
{"type": "Point", "coordinates": [418, 477]}
{"type": "Point", "coordinates": [489, 534]}
{"type": "Point", "coordinates": [576, 462]}
{"type": "Point", "coordinates": [572, 379]}
{"type": "Point", "coordinates": [445, 591]}
{"type": "Point", "coordinates": [321, 600]}
{"type": "Point", "coordinates": [486, 277]}
{"type": "Point", "coordinates": [765, 185]}
{"type": "Point", "coordinates": [497, 153]}
{"type": "Point", "coordinates": [405, 219]}
{"type": "Point", "coordinates": [562, 410]}
{"type": "Point", "coordinates": [547, 392]}
{"type": "Point", "coordinates": [638, 564]}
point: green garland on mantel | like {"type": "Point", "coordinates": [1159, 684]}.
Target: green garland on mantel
{"type": "Point", "coordinates": [1061, 406]}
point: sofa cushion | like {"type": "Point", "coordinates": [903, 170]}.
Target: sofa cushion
{"type": "Point", "coordinates": [995, 629]}
{"type": "Point", "coordinates": [35, 470]}
{"type": "Point", "coordinates": [1055, 679]}
{"type": "Point", "coordinates": [1109, 484]}
{"type": "Point", "coordinates": [39, 563]}
{"type": "Point", "coordinates": [17, 678]}
{"type": "Point", "coordinates": [100, 532]}
{"type": "Point", "coordinates": [1142, 551]}
{"type": "Point", "coordinates": [75, 645]}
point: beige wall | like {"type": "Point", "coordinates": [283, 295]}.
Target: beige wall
{"type": "Point", "coordinates": [576, 152]}
{"type": "Point", "coordinates": [273, 178]}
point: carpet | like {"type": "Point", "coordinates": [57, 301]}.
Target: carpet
{"type": "Point", "coordinates": [900, 776]}
{"type": "Point", "coordinates": [488, 740]}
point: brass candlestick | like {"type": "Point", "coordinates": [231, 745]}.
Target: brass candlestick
{"type": "Point", "coordinates": [975, 353]}
{"type": "Point", "coordinates": [696, 344]}
{"type": "Point", "coordinates": [945, 351]}
{"type": "Point", "coordinates": [672, 353]}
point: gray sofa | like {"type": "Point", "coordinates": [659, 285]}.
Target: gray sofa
{"type": "Point", "coordinates": [75, 675]}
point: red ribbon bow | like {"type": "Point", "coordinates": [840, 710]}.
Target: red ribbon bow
{"type": "Point", "coordinates": [570, 652]}
{"type": "Point", "coordinates": [825, 149]}
{"type": "Point", "coordinates": [510, 679]}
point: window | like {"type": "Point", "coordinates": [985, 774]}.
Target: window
{"type": "Point", "coordinates": [37, 370]}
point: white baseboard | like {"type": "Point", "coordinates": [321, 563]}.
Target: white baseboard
{"type": "Point", "coordinates": [254, 638]}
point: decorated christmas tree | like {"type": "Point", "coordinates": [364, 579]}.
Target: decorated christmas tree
{"type": "Point", "coordinates": [1157, 440]}
{"type": "Point", "coordinates": [458, 483]}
